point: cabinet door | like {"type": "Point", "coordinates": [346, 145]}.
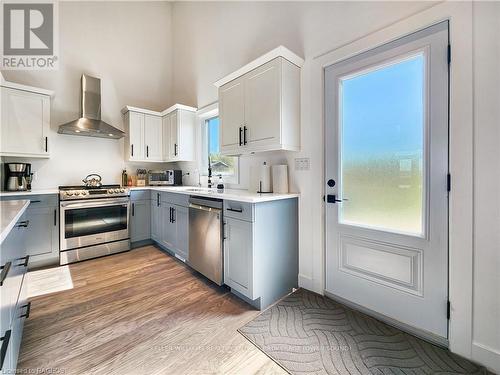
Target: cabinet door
{"type": "Point", "coordinates": [25, 123]}
{"type": "Point", "coordinates": [174, 136]}
{"type": "Point", "coordinates": [238, 256]}
{"type": "Point", "coordinates": [169, 232]}
{"type": "Point", "coordinates": [41, 234]}
{"type": "Point", "coordinates": [181, 221]}
{"type": "Point", "coordinates": [153, 137]}
{"type": "Point", "coordinates": [263, 104]}
{"type": "Point", "coordinates": [136, 135]}
{"type": "Point", "coordinates": [140, 220]}
{"type": "Point", "coordinates": [166, 137]}
{"type": "Point", "coordinates": [156, 219]}
{"type": "Point", "coordinates": [231, 113]}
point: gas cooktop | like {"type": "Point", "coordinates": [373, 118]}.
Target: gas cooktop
{"type": "Point", "coordinates": [91, 192]}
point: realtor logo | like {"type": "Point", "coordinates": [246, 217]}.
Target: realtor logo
{"type": "Point", "coordinates": [29, 37]}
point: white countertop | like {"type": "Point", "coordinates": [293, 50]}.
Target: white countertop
{"type": "Point", "coordinates": [229, 194]}
{"type": "Point", "coordinates": [31, 192]}
{"type": "Point", "coordinates": [10, 212]}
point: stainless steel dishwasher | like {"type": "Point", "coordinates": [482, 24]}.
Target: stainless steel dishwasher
{"type": "Point", "coordinates": [205, 237]}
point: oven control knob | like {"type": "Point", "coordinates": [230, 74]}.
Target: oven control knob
{"type": "Point", "coordinates": [70, 193]}
{"type": "Point", "coordinates": [122, 190]}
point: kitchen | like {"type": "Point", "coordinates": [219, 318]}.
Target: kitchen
{"type": "Point", "coordinates": [203, 159]}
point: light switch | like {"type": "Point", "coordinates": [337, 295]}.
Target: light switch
{"type": "Point", "coordinates": [302, 164]}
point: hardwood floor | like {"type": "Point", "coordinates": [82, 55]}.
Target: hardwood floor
{"type": "Point", "coordinates": [140, 312]}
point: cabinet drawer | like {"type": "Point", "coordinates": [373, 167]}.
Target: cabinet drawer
{"type": "Point", "coordinates": [140, 195]}
{"type": "Point", "coordinates": [239, 210]}
{"type": "Point", "coordinates": [44, 200]}
{"type": "Point", "coordinates": [175, 198]}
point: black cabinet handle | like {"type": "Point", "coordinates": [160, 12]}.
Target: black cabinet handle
{"type": "Point", "coordinates": [28, 309]}
{"type": "Point", "coordinates": [55, 216]}
{"type": "Point", "coordinates": [244, 135]}
{"type": "Point", "coordinates": [131, 150]}
{"type": "Point", "coordinates": [240, 210]}
{"type": "Point", "coordinates": [5, 344]}
{"type": "Point", "coordinates": [5, 271]}
{"type": "Point", "coordinates": [175, 149]}
{"type": "Point", "coordinates": [23, 224]}
{"type": "Point", "coordinates": [26, 260]}
{"type": "Point", "coordinates": [133, 209]}
{"type": "Point", "coordinates": [34, 201]}
{"type": "Point", "coordinates": [170, 214]}
{"type": "Point", "coordinates": [158, 199]}
{"type": "Point", "coordinates": [46, 144]}
{"type": "Point", "coordinates": [224, 237]}
{"type": "Point", "coordinates": [241, 133]}
{"type": "Point", "coordinates": [173, 215]}
{"type": "Point", "coordinates": [147, 151]}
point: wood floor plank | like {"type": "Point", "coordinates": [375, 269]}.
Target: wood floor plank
{"type": "Point", "coordinates": [140, 312]}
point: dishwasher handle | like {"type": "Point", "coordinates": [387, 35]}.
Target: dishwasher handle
{"type": "Point", "coordinates": [204, 208]}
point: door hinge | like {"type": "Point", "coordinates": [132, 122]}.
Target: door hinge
{"type": "Point", "coordinates": [449, 54]}
{"type": "Point", "coordinates": [448, 310]}
{"type": "Point", "coordinates": [448, 182]}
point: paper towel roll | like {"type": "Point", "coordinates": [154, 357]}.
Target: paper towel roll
{"type": "Point", "coordinates": [280, 178]}
{"type": "Point", "coordinates": [265, 179]}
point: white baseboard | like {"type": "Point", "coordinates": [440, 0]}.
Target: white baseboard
{"type": "Point", "coordinates": [486, 356]}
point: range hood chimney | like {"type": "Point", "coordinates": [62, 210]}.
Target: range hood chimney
{"type": "Point", "coordinates": [89, 124]}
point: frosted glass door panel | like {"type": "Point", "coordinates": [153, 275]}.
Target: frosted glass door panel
{"type": "Point", "coordinates": [382, 130]}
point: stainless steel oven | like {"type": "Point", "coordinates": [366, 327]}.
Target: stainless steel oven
{"type": "Point", "coordinates": [91, 228]}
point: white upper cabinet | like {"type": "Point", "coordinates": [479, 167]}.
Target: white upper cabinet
{"type": "Point", "coordinates": [25, 121]}
{"type": "Point", "coordinates": [160, 136]}
{"type": "Point", "coordinates": [153, 134]}
{"type": "Point", "coordinates": [232, 110]}
{"type": "Point", "coordinates": [259, 105]}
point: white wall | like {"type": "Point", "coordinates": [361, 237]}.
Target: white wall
{"type": "Point", "coordinates": [129, 46]}
{"type": "Point", "coordinates": [486, 301]}
{"type": "Point", "coordinates": [214, 39]}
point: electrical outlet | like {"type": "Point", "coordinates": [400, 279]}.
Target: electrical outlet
{"type": "Point", "coordinates": [302, 164]}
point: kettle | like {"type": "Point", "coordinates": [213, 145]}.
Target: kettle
{"type": "Point", "coordinates": [92, 181]}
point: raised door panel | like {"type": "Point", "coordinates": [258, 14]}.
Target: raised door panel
{"type": "Point", "coordinates": [174, 136]}
{"type": "Point", "coordinates": [140, 220]}
{"type": "Point", "coordinates": [25, 123]}
{"type": "Point", "coordinates": [186, 135]}
{"type": "Point", "coordinates": [231, 114]}
{"type": "Point", "coordinates": [238, 256]}
{"type": "Point", "coordinates": [40, 238]}
{"type": "Point", "coordinates": [156, 220]}
{"type": "Point", "coordinates": [169, 231]}
{"type": "Point", "coordinates": [136, 136]}
{"type": "Point", "coordinates": [181, 218]}
{"type": "Point", "coordinates": [263, 104]}
{"type": "Point", "coordinates": [153, 137]}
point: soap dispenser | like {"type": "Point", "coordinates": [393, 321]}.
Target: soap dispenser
{"type": "Point", "coordinates": [220, 184]}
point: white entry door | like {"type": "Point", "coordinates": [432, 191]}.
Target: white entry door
{"type": "Point", "coordinates": [386, 113]}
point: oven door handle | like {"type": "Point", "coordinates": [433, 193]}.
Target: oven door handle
{"type": "Point", "coordinates": [100, 203]}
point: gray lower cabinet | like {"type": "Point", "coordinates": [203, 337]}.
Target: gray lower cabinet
{"type": "Point", "coordinates": [42, 235]}
{"type": "Point", "coordinates": [238, 251]}
{"type": "Point", "coordinates": [261, 250]}
{"type": "Point", "coordinates": [14, 308]}
{"type": "Point", "coordinates": [156, 217]}
{"type": "Point", "coordinates": [140, 217]}
{"type": "Point", "coordinates": [175, 233]}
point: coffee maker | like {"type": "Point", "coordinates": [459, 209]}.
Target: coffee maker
{"type": "Point", "coordinates": [17, 176]}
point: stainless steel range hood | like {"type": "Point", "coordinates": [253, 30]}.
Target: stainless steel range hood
{"type": "Point", "coordinates": [89, 124]}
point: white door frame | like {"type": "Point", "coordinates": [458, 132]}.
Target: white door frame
{"type": "Point", "coordinates": [461, 146]}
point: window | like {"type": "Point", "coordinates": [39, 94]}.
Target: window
{"type": "Point", "coordinates": [382, 146]}
{"type": "Point", "coordinates": [227, 166]}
